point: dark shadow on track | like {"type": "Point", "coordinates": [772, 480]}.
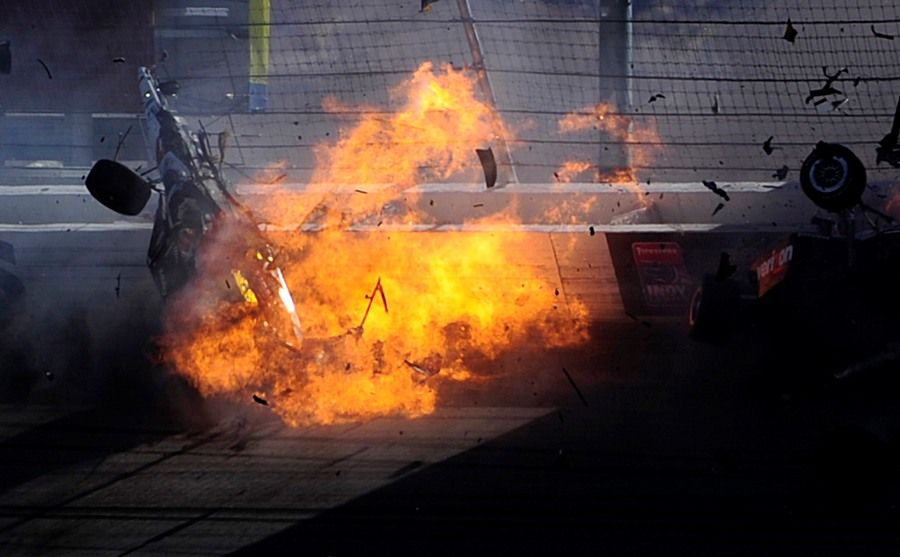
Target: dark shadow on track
{"type": "Point", "coordinates": [683, 461]}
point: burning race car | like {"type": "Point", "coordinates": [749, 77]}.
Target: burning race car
{"type": "Point", "coordinates": [195, 203]}
{"type": "Point", "coordinates": [829, 299]}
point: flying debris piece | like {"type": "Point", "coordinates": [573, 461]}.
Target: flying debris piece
{"type": "Point", "coordinates": [421, 370]}
{"type": "Point", "coordinates": [827, 88]}
{"type": "Point", "coordinates": [713, 187]}
{"type": "Point", "coordinates": [591, 230]}
{"type": "Point", "coordinates": [726, 267]}
{"type": "Point", "coordinates": [574, 386]}
{"type": "Point", "coordinates": [715, 104]}
{"type": "Point", "coordinates": [5, 58]}
{"type": "Point", "coordinates": [718, 208]}
{"type": "Point", "coordinates": [478, 205]}
{"type": "Point", "coordinates": [881, 35]}
{"type": "Point", "coordinates": [767, 145]}
{"type": "Point", "coordinates": [46, 69]}
{"type": "Point", "coordinates": [122, 138]}
{"type": "Point", "coordinates": [857, 80]}
{"type": "Point", "coordinates": [839, 103]}
{"type": "Point", "coordinates": [260, 400]}
{"type": "Point", "coordinates": [360, 191]}
{"type": "Point", "coordinates": [164, 56]}
{"type": "Point", "coordinates": [278, 179]}
{"type": "Point", "coordinates": [489, 165]}
{"type": "Point", "coordinates": [371, 297]}
{"type": "Point", "coordinates": [426, 6]}
{"type": "Point", "coordinates": [49, 375]}
{"type": "Point", "coordinates": [888, 149]}
{"type": "Point", "coordinates": [118, 60]}
{"type": "Point", "coordinates": [781, 173]}
{"type": "Point", "coordinates": [790, 34]}
{"type": "Point", "coordinates": [118, 284]}
{"type": "Point", "coordinates": [656, 97]}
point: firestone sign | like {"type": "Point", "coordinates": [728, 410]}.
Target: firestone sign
{"type": "Point", "coordinates": [664, 279]}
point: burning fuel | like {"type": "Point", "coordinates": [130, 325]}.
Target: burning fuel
{"type": "Point", "coordinates": [440, 301]}
{"type": "Point", "coordinates": [642, 139]}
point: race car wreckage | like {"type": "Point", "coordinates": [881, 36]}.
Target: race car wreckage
{"type": "Point", "coordinates": [828, 297]}
{"type": "Point", "coordinates": [194, 203]}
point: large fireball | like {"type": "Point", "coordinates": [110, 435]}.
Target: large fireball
{"type": "Point", "coordinates": [431, 301]}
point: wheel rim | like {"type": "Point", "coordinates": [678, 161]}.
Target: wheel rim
{"type": "Point", "coordinates": [829, 175]}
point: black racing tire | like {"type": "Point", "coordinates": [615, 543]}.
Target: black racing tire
{"type": "Point", "coordinates": [713, 310]}
{"type": "Point", "coordinates": [117, 187]}
{"type": "Point", "coordinates": [833, 177]}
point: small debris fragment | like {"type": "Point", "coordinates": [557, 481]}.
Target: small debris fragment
{"type": "Point", "coordinates": [574, 386]}
{"type": "Point", "coordinates": [656, 97]}
{"type": "Point", "coordinates": [718, 208]}
{"type": "Point", "coordinates": [888, 149]}
{"type": "Point", "coordinates": [767, 145]}
{"type": "Point", "coordinates": [426, 6]}
{"type": "Point", "coordinates": [839, 103]}
{"type": "Point", "coordinates": [421, 370]}
{"type": "Point", "coordinates": [781, 173]}
{"type": "Point", "coordinates": [713, 187]}
{"type": "Point", "coordinates": [260, 400]}
{"type": "Point", "coordinates": [49, 375]}
{"type": "Point", "coordinates": [46, 69]}
{"type": "Point", "coordinates": [118, 284]}
{"type": "Point", "coordinates": [478, 205]}
{"type": "Point", "coordinates": [361, 191]}
{"type": "Point", "coordinates": [827, 88]}
{"type": "Point", "coordinates": [489, 165]}
{"type": "Point", "coordinates": [790, 34]}
{"type": "Point", "coordinates": [371, 297]}
{"type": "Point", "coordinates": [591, 230]}
{"type": "Point", "coordinates": [118, 60]}
{"type": "Point", "coordinates": [881, 35]}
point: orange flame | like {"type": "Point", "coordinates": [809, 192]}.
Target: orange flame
{"type": "Point", "coordinates": [570, 170]}
{"type": "Point", "coordinates": [643, 142]}
{"type": "Point", "coordinates": [450, 298]}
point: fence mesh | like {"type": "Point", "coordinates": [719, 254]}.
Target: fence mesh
{"type": "Point", "coordinates": [698, 85]}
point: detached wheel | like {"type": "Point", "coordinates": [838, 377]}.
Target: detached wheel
{"type": "Point", "coordinates": [833, 177]}
{"type": "Point", "coordinates": [118, 187]}
{"type": "Point", "coordinates": [713, 309]}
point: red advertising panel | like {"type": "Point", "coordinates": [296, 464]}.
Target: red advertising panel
{"type": "Point", "coordinates": [664, 279]}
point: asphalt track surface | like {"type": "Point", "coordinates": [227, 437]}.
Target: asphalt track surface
{"type": "Point", "coordinates": [665, 447]}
